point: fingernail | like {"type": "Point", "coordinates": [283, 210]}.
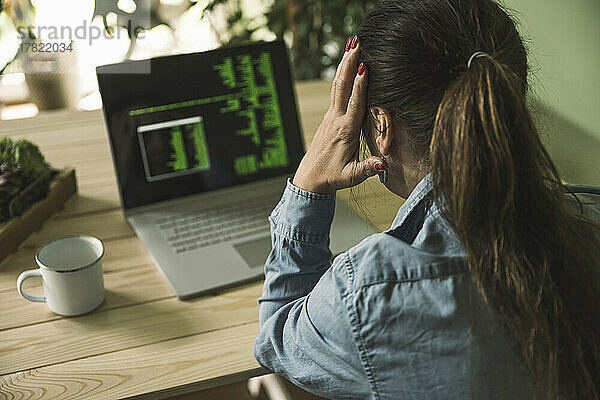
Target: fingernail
{"type": "Point", "coordinates": [379, 166]}
{"type": "Point", "coordinates": [354, 41]}
{"type": "Point", "coordinates": [361, 68]}
{"type": "Point", "coordinates": [348, 44]}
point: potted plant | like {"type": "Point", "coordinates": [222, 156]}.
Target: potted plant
{"type": "Point", "coordinates": [24, 177]}
{"type": "Point", "coordinates": [14, 14]}
{"type": "Point", "coordinates": [50, 73]}
{"type": "Point", "coordinates": [146, 15]}
{"type": "Point", "coordinates": [315, 31]}
{"type": "Point", "coordinates": [30, 191]}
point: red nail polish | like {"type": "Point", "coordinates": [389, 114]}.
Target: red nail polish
{"type": "Point", "coordinates": [348, 44]}
{"type": "Point", "coordinates": [354, 41]}
{"type": "Point", "coordinates": [361, 68]}
{"type": "Point", "coordinates": [379, 166]}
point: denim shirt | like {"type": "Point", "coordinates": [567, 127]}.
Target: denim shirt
{"type": "Point", "coordinates": [395, 317]}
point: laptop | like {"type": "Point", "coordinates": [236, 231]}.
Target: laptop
{"type": "Point", "coordinates": [203, 144]}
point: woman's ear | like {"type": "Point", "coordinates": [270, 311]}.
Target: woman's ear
{"type": "Point", "coordinates": [384, 132]}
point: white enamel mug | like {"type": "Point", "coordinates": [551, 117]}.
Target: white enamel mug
{"type": "Point", "coordinates": [71, 271]}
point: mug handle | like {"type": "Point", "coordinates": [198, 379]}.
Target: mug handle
{"type": "Point", "coordinates": [29, 274]}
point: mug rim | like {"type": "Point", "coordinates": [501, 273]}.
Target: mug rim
{"type": "Point", "coordinates": [42, 266]}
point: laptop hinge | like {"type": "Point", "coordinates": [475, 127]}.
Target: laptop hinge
{"type": "Point", "coordinates": [277, 183]}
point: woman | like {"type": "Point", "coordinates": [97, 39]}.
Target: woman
{"type": "Point", "coordinates": [487, 283]}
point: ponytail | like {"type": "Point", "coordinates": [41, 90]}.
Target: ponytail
{"type": "Point", "coordinates": [534, 260]}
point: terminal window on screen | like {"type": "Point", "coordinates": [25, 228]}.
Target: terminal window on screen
{"type": "Point", "coordinates": [247, 104]}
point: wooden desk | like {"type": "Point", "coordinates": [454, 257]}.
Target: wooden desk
{"type": "Point", "coordinates": [142, 341]}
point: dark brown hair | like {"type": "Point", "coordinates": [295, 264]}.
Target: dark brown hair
{"type": "Point", "coordinates": [534, 259]}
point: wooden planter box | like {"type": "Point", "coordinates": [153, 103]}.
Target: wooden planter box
{"type": "Point", "coordinates": [16, 230]}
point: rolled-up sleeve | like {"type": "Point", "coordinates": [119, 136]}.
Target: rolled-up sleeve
{"type": "Point", "coordinates": [306, 333]}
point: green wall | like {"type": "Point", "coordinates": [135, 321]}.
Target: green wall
{"type": "Point", "coordinates": [563, 37]}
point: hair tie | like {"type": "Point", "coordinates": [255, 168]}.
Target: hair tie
{"type": "Point", "coordinates": [476, 55]}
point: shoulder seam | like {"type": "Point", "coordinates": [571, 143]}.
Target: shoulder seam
{"type": "Point", "coordinates": [421, 278]}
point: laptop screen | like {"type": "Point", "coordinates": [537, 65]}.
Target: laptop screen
{"type": "Point", "coordinates": [200, 122]}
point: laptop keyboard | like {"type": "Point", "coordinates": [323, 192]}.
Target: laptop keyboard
{"type": "Point", "coordinates": [210, 226]}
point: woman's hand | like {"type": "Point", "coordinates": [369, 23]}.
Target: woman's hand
{"type": "Point", "coordinates": [331, 160]}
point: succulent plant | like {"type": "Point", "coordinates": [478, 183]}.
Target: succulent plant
{"type": "Point", "coordinates": [5, 174]}
{"type": "Point", "coordinates": [24, 176]}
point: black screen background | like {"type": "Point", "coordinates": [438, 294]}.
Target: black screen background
{"type": "Point", "coordinates": [180, 78]}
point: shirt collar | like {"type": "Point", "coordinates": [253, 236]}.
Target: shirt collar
{"type": "Point", "coordinates": [422, 189]}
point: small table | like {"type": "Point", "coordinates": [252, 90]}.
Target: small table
{"type": "Point", "coordinates": [143, 341]}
